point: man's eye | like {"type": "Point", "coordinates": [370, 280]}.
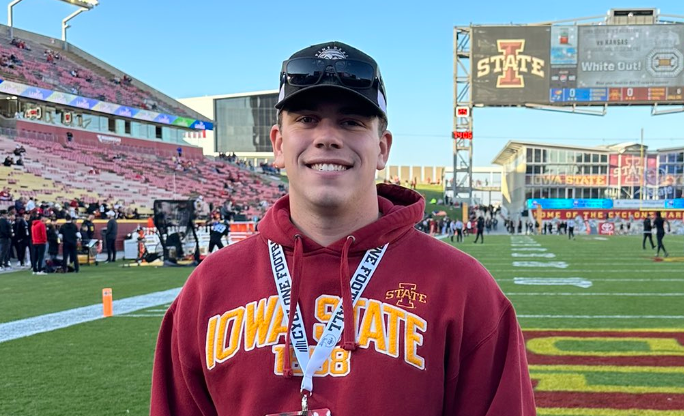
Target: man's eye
{"type": "Point", "coordinates": [306, 119]}
{"type": "Point", "coordinates": [353, 123]}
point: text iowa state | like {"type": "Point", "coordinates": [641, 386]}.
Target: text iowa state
{"type": "Point", "coordinates": [262, 324]}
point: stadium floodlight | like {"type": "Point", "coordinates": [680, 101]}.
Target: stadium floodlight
{"type": "Point", "coordinates": [86, 4]}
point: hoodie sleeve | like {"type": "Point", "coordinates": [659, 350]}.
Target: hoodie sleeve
{"type": "Point", "coordinates": [177, 389]}
{"type": "Point", "coordinates": [493, 379]}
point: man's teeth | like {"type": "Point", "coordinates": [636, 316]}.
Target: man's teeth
{"type": "Point", "coordinates": [328, 167]}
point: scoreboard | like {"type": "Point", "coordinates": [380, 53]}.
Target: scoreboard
{"type": "Point", "coordinates": [566, 65]}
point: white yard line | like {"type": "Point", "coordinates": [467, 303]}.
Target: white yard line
{"type": "Point", "coordinates": [50, 322]}
{"type": "Point", "coordinates": [602, 316]}
{"type": "Point", "coordinates": [541, 264]}
{"type": "Point", "coordinates": [603, 280]}
{"type": "Point", "coordinates": [679, 272]}
{"type": "Point", "coordinates": [589, 294]}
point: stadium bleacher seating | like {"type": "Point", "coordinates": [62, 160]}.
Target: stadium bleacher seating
{"type": "Point", "coordinates": [31, 67]}
{"type": "Point", "coordinates": [55, 170]}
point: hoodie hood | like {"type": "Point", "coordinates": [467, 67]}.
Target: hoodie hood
{"type": "Point", "coordinates": [401, 209]}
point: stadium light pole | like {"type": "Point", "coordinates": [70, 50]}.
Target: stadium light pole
{"type": "Point", "coordinates": [9, 16]}
{"type": "Point", "coordinates": [65, 26]}
{"type": "Point", "coordinates": [84, 6]}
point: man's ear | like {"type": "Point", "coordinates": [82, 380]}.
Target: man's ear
{"type": "Point", "coordinates": [277, 144]}
{"type": "Point", "coordinates": [385, 147]}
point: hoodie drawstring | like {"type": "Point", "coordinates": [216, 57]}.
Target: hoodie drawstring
{"type": "Point", "coordinates": [294, 300]}
{"type": "Point", "coordinates": [349, 331]}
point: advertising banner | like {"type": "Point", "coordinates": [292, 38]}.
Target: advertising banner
{"type": "Point", "coordinates": [631, 57]}
{"type": "Point", "coordinates": [608, 214]}
{"type": "Point", "coordinates": [510, 64]}
{"type": "Point", "coordinates": [619, 204]}
{"type": "Point", "coordinates": [15, 88]}
{"type": "Point", "coordinates": [648, 203]}
{"type": "Point", "coordinates": [628, 170]}
{"type": "Point", "coordinates": [606, 228]}
{"type": "Point", "coordinates": [579, 180]}
{"type": "Point", "coordinates": [558, 203]}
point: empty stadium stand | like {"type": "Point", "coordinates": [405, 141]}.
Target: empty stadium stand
{"type": "Point", "coordinates": [55, 170]}
{"type": "Point", "coordinates": [75, 72]}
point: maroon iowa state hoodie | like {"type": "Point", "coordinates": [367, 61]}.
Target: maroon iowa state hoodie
{"type": "Point", "coordinates": [432, 334]}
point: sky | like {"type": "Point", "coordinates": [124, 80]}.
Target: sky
{"type": "Point", "coordinates": [211, 47]}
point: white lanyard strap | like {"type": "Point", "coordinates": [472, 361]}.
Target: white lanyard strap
{"type": "Point", "coordinates": [283, 284]}
{"type": "Point", "coordinates": [333, 329]}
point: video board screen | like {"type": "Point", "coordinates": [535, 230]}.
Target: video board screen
{"type": "Point", "coordinates": [587, 65]}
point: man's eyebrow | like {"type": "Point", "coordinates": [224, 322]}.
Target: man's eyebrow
{"type": "Point", "coordinates": [348, 111]}
{"type": "Point", "coordinates": [356, 111]}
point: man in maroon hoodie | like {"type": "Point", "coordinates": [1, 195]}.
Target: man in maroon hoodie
{"type": "Point", "coordinates": [339, 306]}
{"type": "Point", "coordinates": [39, 239]}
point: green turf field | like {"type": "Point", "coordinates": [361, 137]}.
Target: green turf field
{"type": "Point", "coordinates": [604, 329]}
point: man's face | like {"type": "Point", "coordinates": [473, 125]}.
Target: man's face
{"type": "Point", "coordinates": [331, 149]}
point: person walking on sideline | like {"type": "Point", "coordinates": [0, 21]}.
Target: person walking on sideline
{"type": "Point", "coordinates": [480, 230]}
{"type": "Point", "coordinates": [571, 229]}
{"type": "Point", "coordinates": [648, 233]}
{"type": "Point", "coordinates": [659, 224]}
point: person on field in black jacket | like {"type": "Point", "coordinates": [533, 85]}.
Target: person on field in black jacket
{"type": "Point", "coordinates": [5, 239]}
{"type": "Point", "coordinates": [88, 229]}
{"type": "Point", "coordinates": [70, 236]}
{"type": "Point", "coordinates": [110, 236]}
{"type": "Point", "coordinates": [53, 242]}
{"type": "Point", "coordinates": [21, 238]}
{"type": "Point", "coordinates": [648, 233]}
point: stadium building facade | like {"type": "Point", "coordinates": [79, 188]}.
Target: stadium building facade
{"type": "Point", "coordinates": [625, 171]}
{"type": "Point", "coordinates": [242, 123]}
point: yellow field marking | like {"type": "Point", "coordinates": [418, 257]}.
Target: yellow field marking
{"type": "Point", "coordinates": [657, 346]}
{"type": "Point", "coordinates": [607, 368]}
{"type": "Point", "coordinates": [564, 411]}
{"type": "Point", "coordinates": [570, 378]}
{"type": "Point", "coordinates": [603, 330]}
{"type": "Point", "coordinates": [673, 259]}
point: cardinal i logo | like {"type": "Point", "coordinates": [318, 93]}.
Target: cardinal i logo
{"type": "Point", "coordinates": [511, 64]}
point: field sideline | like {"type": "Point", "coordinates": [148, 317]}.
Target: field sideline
{"type": "Point", "coordinates": [603, 322]}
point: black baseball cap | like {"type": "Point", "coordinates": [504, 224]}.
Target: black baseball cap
{"type": "Point", "coordinates": [332, 65]}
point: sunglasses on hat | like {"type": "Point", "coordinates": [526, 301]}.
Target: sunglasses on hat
{"type": "Point", "coordinates": [352, 73]}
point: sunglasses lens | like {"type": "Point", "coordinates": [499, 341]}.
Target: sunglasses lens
{"type": "Point", "coordinates": [303, 72]}
{"type": "Point", "coordinates": [355, 74]}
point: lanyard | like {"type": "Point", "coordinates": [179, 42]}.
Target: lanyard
{"type": "Point", "coordinates": [333, 329]}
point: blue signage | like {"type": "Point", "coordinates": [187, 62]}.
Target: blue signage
{"type": "Point", "coordinates": [565, 95]}
{"type": "Point", "coordinates": [649, 204]}
{"type": "Point", "coordinates": [553, 203]}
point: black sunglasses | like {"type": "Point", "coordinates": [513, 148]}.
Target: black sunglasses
{"type": "Point", "coordinates": [304, 72]}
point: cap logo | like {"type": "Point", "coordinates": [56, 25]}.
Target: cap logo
{"type": "Point", "coordinates": [331, 52]}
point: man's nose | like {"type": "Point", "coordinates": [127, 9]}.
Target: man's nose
{"type": "Point", "coordinates": [328, 135]}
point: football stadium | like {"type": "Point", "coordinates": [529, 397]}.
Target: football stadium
{"type": "Point", "coordinates": [567, 230]}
